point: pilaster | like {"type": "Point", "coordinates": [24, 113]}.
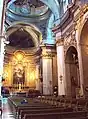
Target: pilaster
{"type": "Point", "coordinates": [47, 69]}
{"type": "Point", "coordinates": [61, 68]}
{"type": "Point", "coordinates": [80, 65]}
{"type": "Point", "coordinates": [2, 44]}
{"type": "Point", "coordinates": [38, 70]}
{"type": "Point", "coordinates": [37, 77]}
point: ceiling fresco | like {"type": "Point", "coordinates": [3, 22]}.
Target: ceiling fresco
{"type": "Point", "coordinates": [53, 5]}
{"type": "Point", "coordinates": [41, 13]}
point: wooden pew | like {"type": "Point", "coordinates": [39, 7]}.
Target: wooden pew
{"type": "Point", "coordinates": [23, 112]}
{"type": "Point", "coordinates": [16, 105]}
{"type": "Point", "coordinates": [36, 105]}
{"type": "Point", "coordinates": [63, 115]}
{"type": "Point", "coordinates": [31, 108]}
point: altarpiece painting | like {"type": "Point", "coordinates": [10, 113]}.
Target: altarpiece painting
{"type": "Point", "coordinates": [19, 74]}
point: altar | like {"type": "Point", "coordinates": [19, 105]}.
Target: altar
{"type": "Point", "coordinates": [20, 88]}
{"type": "Point", "coordinates": [21, 72]}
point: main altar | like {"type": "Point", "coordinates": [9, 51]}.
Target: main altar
{"type": "Point", "coordinates": [20, 72]}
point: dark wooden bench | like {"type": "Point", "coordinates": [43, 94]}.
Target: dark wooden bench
{"type": "Point", "coordinates": [31, 108]}
{"type": "Point", "coordinates": [16, 105]}
{"type": "Point", "coordinates": [23, 112]}
{"type": "Point", "coordinates": [63, 115]}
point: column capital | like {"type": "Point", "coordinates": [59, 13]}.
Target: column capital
{"type": "Point", "coordinates": [47, 55]}
{"type": "Point", "coordinates": [47, 46]}
{"type": "Point", "coordinates": [48, 51]}
{"type": "Point", "coordinates": [60, 42]}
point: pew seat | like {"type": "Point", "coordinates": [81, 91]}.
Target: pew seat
{"type": "Point", "coordinates": [58, 110]}
{"type": "Point", "coordinates": [63, 115]}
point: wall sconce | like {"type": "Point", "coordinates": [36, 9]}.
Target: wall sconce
{"type": "Point", "coordinates": [61, 79]}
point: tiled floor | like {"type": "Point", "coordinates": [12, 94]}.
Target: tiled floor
{"type": "Point", "coordinates": [7, 114]}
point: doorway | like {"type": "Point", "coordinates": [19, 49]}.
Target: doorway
{"type": "Point", "coordinates": [72, 71]}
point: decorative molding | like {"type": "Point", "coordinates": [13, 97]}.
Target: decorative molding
{"type": "Point", "coordinates": [60, 42]}
{"type": "Point", "coordinates": [48, 55]}
{"type": "Point", "coordinates": [69, 41]}
{"type": "Point", "coordinates": [67, 47]}
{"type": "Point", "coordinates": [82, 10]}
{"type": "Point", "coordinates": [48, 51]}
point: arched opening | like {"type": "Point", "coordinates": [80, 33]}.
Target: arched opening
{"type": "Point", "coordinates": [84, 51]}
{"type": "Point", "coordinates": [72, 71]}
{"type": "Point", "coordinates": [20, 57]}
{"type": "Point", "coordinates": [21, 39]}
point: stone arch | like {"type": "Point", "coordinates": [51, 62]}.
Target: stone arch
{"type": "Point", "coordinates": [84, 52]}
{"type": "Point", "coordinates": [72, 71]}
{"type": "Point", "coordinates": [50, 34]}
{"type": "Point", "coordinates": [29, 52]}
{"type": "Point", "coordinates": [32, 30]}
{"type": "Point", "coordinates": [54, 17]}
{"type": "Point", "coordinates": [80, 26]}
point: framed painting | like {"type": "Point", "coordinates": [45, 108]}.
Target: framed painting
{"type": "Point", "coordinates": [19, 74]}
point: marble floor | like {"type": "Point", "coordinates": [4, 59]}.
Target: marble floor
{"type": "Point", "coordinates": [6, 114]}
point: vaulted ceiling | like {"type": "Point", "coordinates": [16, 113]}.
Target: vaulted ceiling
{"type": "Point", "coordinates": [21, 39]}
{"type": "Point", "coordinates": [36, 12]}
{"type": "Point", "coordinates": [52, 4]}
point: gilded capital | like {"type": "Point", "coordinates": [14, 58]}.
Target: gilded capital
{"type": "Point", "coordinates": [60, 42]}
{"type": "Point", "coordinates": [47, 55]}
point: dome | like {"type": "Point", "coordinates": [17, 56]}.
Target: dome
{"type": "Point", "coordinates": [28, 7]}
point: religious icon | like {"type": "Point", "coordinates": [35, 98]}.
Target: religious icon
{"type": "Point", "coordinates": [18, 74]}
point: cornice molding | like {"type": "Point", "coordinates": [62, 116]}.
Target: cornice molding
{"type": "Point", "coordinates": [82, 11]}
{"type": "Point", "coordinates": [67, 17]}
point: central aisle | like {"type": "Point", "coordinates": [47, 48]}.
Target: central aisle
{"type": "Point", "coordinates": [6, 114]}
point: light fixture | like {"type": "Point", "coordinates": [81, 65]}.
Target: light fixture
{"type": "Point", "coordinates": [61, 79]}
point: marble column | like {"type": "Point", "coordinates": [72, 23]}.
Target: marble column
{"type": "Point", "coordinates": [61, 69]}
{"type": "Point", "coordinates": [80, 64]}
{"type": "Point", "coordinates": [2, 38]}
{"type": "Point", "coordinates": [47, 71]}
{"type": "Point", "coordinates": [1, 60]}
{"type": "Point", "coordinates": [37, 78]}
